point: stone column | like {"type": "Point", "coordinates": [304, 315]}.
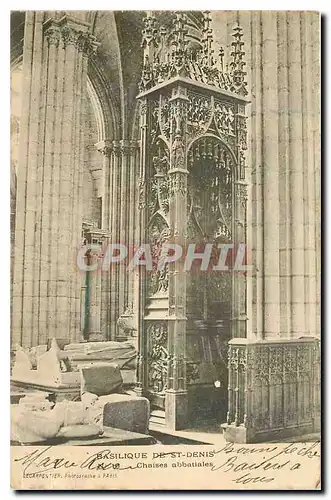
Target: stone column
{"type": "Point", "coordinates": [140, 283]}
{"type": "Point", "coordinates": [128, 222]}
{"type": "Point", "coordinates": [118, 205]}
{"type": "Point", "coordinates": [257, 178]}
{"type": "Point", "coordinates": [316, 103]}
{"type": "Point", "coordinates": [176, 393]}
{"type": "Point", "coordinates": [123, 220]}
{"type": "Point", "coordinates": [270, 175]}
{"type": "Point", "coordinates": [93, 316]}
{"type": "Point", "coordinates": [284, 179]}
{"type": "Point", "coordinates": [46, 283]}
{"type": "Point", "coordinates": [23, 273]}
{"type": "Point", "coordinates": [310, 178]}
{"type": "Point", "coordinates": [288, 131]}
{"type": "Point", "coordinates": [133, 216]}
{"type": "Point", "coordinates": [273, 373]}
{"type": "Point", "coordinates": [128, 151]}
{"type": "Point", "coordinates": [239, 288]}
{"type": "Point", "coordinates": [246, 201]}
{"type": "Point", "coordinates": [105, 148]}
{"type": "Point", "coordinates": [296, 178]}
{"type": "Point", "coordinates": [92, 282]}
{"type": "Point", "coordinates": [115, 204]}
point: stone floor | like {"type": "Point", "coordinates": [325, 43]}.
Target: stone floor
{"type": "Point", "coordinates": [209, 432]}
{"type": "Point", "coordinates": [206, 432]}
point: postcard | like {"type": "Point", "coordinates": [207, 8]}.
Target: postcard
{"type": "Point", "coordinates": [165, 250]}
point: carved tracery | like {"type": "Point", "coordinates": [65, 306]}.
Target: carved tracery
{"type": "Point", "coordinates": [210, 189]}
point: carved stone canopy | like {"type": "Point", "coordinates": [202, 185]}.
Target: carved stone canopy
{"type": "Point", "coordinates": [171, 51]}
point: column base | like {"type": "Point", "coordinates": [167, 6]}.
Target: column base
{"type": "Point", "coordinates": [176, 410]}
{"type": "Point", "coordinates": [138, 390]}
{"type": "Point", "coordinates": [96, 337]}
{"type": "Point", "coordinates": [317, 423]}
{"type": "Point", "coordinates": [243, 435]}
{"type": "Point", "coordinates": [237, 433]}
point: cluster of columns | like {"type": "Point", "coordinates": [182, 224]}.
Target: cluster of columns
{"type": "Point", "coordinates": [283, 209]}
{"type": "Point", "coordinates": [119, 218]}
{"type": "Point", "coordinates": [46, 284]}
{"type": "Point", "coordinates": [285, 173]}
{"type": "Point", "coordinates": [282, 54]}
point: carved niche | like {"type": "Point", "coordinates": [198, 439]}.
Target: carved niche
{"type": "Point", "coordinates": [158, 357]}
{"type": "Point", "coordinates": [210, 190]}
{"type": "Point", "coordinates": [157, 278]}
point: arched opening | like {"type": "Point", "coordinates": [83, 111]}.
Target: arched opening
{"type": "Point", "coordinates": [210, 181]}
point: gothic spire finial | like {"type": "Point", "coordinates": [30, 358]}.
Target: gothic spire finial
{"type": "Point", "coordinates": [237, 64]}
{"type": "Point", "coordinates": [149, 32]}
{"type": "Point", "coordinates": [207, 39]}
{"type": "Point", "coordinates": [221, 58]}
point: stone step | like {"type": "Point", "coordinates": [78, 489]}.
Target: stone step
{"type": "Point", "coordinates": [157, 417]}
{"type": "Point", "coordinates": [158, 413]}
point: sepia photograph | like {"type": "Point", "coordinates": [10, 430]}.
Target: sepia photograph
{"type": "Point", "coordinates": [165, 230]}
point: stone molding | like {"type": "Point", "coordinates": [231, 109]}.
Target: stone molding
{"type": "Point", "coordinates": [119, 148]}
{"type": "Point", "coordinates": [68, 31]}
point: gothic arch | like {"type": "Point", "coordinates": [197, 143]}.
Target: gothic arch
{"type": "Point", "coordinates": [223, 144]}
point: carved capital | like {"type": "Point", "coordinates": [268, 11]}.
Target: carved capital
{"type": "Point", "coordinates": [104, 147]}
{"type": "Point", "coordinates": [117, 148]}
{"type": "Point", "coordinates": [128, 147]}
{"type": "Point", "coordinates": [84, 42]}
{"type": "Point", "coordinates": [70, 31]}
{"type": "Point", "coordinates": [87, 44]}
{"type": "Point", "coordinates": [134, 145]}
{"type": "Point", "coordinates": [53, 34]}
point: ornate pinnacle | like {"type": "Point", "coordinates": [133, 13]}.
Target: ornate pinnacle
{"type": "Point", "coordinates": [237, 64]}
{"type": "Point", "coordinates": [207, 39]}
{"type": "Point", "coordinates": [221, 58]}
{"type": "Point", "coordinates": [237, 53]}
{"type": "Point", "coordinates": [179, 43]}
{"type": "Point", "coordinates": [149, 44]}
{"type": "Point", "coordinates": [180, 31]}
{"type": "Point", "coordinates": [149, 32]}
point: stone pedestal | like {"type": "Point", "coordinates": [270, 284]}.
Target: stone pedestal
{"type": "Point", "coordinates": [176, 406]}
{"type": "Point", "coordinates": [274, 389]}
{"type": "Point", "coordinates": [126, 412]}
{"type": "Point", "coordinates": [91, 301]}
